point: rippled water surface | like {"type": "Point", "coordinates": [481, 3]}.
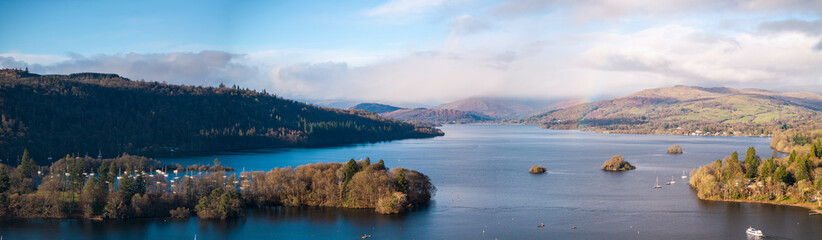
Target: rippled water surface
{"type": "Point", "coordinates": [486, 192]}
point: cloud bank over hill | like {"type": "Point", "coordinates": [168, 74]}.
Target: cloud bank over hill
{"type": "Point", "coordinates": [528, 48]}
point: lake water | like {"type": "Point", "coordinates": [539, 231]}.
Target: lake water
{"type": "Point", "coordinates": [486, 192]}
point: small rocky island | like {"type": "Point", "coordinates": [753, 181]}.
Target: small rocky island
{"type": "Point", "coordinates": [675, 149]}
{"type": "Point", "coordinates": [537, 169]}
{"type": "Point", "coordinates": [617, 163]}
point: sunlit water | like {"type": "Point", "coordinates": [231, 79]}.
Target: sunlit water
{"type": "Point", "coordinates": [486, 192]}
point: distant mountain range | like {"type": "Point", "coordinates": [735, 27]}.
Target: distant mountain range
{"type": "Point", "coordinates": [422, 115]}
{"type": "Point", "coordinates": [436, 116]}
{"type": "Point", "coordinates": [497, 108]}
{"type": "Point", "coordinates": [688, 110]}
{"type": "Point", "coordinates": [470, 110]}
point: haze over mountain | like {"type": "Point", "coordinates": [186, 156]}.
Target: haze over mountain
{"type": "Point", "coordinates": [685, 109]}
{"type": "Point", "coordinates": [436, 116]}
{"type": "Point", "coordinates": [422, 115]}
{"type": "Point", "coordinates": [498, 108]}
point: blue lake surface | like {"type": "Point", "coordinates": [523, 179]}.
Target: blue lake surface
{"type": "Point", "coordinates": [485, 192]}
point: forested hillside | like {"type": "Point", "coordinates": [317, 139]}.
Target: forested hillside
{"type": "Point", "coordinates": [375, 107]}
{"type": "Point", "coordinates": [436, 116]}
{"type": "Point", "coordinates": [55, 115]}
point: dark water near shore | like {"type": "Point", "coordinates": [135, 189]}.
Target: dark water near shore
{"type": "Point", "coordinates": [485, 192]}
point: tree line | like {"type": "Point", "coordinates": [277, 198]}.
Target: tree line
{"type": "Point", "coordinates": [132, 186]}
{"type": "Point", "coordinates": [794, 178]}
{"type": "Point", "coordinates": [107, 114]}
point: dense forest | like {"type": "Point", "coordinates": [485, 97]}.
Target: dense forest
{"type": "Point", "coordinates": [132, 186]}
{"type": "Point", "coordinates": [797, 137]}
{"type": "Point", "coordinates": [94, 113]}
{"type": "Point", "coordinates": [794, 179]}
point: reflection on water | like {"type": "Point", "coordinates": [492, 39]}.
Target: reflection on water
{"type": "Point", "coordinates": [485, 192]}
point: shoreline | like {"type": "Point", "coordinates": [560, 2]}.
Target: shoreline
{"type": "Point", "coordinates": [596, 130]}
{"type": "Point", "coordinates": [812, 208]}
{"type": "Point", "coordinates": [662, 134]}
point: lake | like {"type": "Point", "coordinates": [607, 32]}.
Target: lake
{"type": "Point", "coordinates": [485, 192]}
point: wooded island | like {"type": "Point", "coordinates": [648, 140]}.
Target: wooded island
{"type": "Point", "coordinates": [133, 186]}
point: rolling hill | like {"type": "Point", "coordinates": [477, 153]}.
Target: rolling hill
{"type": "Point", "coordinates": [423, 116]}
{"type": "Point", "coordinates": [688, 110]}
{"type": "Point", "coordinates": [436, 116]}
{"type": "Point", "coordinates": [55, 115]}
{"type": "Point", "coordinates": [497, 108]}
{"type": "Point", "coordinates": [375, 107]}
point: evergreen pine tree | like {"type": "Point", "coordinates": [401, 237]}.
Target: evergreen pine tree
{"type": "Point", "coordinates": [751, 163]}
{"type": "Point", "coordinates": [4, 180]}
{"type": "Point", "coordinates": [27, 165]}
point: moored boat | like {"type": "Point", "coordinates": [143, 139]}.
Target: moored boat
{"type": "Point", "coordinates": [754, 232]}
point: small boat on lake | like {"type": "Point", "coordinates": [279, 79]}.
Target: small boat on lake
{"type": "Point", "coordinates": [754, 232]}
{"type": "Point", "coordinates": [671, 182]}
{"type": "Point", "coordinates": [657, 183]}
{"type": "Point", "coordinates": [541, 225]}
{"type": "Point", "coordinates": [364, 236]}
{"type": "Point", "coordinates": [683, 175]}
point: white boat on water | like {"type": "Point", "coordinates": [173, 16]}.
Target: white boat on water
{"type": "Point", "coordinates": [671, 182]}
{"type": "Point", "coordinates": [754, 232]}
{"type": "Point", "coordinates": [683, 175]}
{"type": "Point", "coordinates": [657, 183]}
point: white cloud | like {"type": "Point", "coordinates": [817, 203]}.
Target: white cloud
{"type": "Point", "coordinates": [588, 10]}
{"type": "Point", "coordinates": [201, 68]}
{"type": "Point", "coordinates": [467, 24]}
{"type": "Point", "coordinates": [324, 80]}
{"type": "Point", "coordinates": [397, 8]}
{"type": "Point", "coordinates": [526, 48]}
{"type": "Point", "coordinates": [594, 64]}
{"type": "Point", "coordinates": [793, 25]}
{"type": "Point", "coordinates": [692, 56]}
{"type": "Point", "coordinates": [35, 58]}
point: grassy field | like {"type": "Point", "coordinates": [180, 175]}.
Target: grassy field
{"type": "Point", "coordinates": [659, 109]}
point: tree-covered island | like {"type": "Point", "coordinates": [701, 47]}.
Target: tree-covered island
{"type": "Point", "coordinates": [133, 187]}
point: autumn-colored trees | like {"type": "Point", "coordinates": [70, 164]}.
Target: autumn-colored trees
{"type": "Point", "coordinates": [537, 169]}
{"type": "Point", "coordinates": [674, 149]}
{"type": "Point", "coordinates": [354, 184]}
{"type": "Point", "coordinates": [794, 178]}
{"type": "Point", "coordinates": [617, 163]}
{"type": "Point", "coordinates": [131, 186]}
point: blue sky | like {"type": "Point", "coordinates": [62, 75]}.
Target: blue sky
{"type": "Point", "coordinates": [425, 51]}
{"type": "Point", "coordinates": [101, 27]}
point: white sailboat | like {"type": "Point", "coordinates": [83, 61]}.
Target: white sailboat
{"type": "Point", "coordinates": [671, 182]}
{"type": "Point", "coordinates": [657, 183]}
{"type": "Point", "coordinates": [683, 175]}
